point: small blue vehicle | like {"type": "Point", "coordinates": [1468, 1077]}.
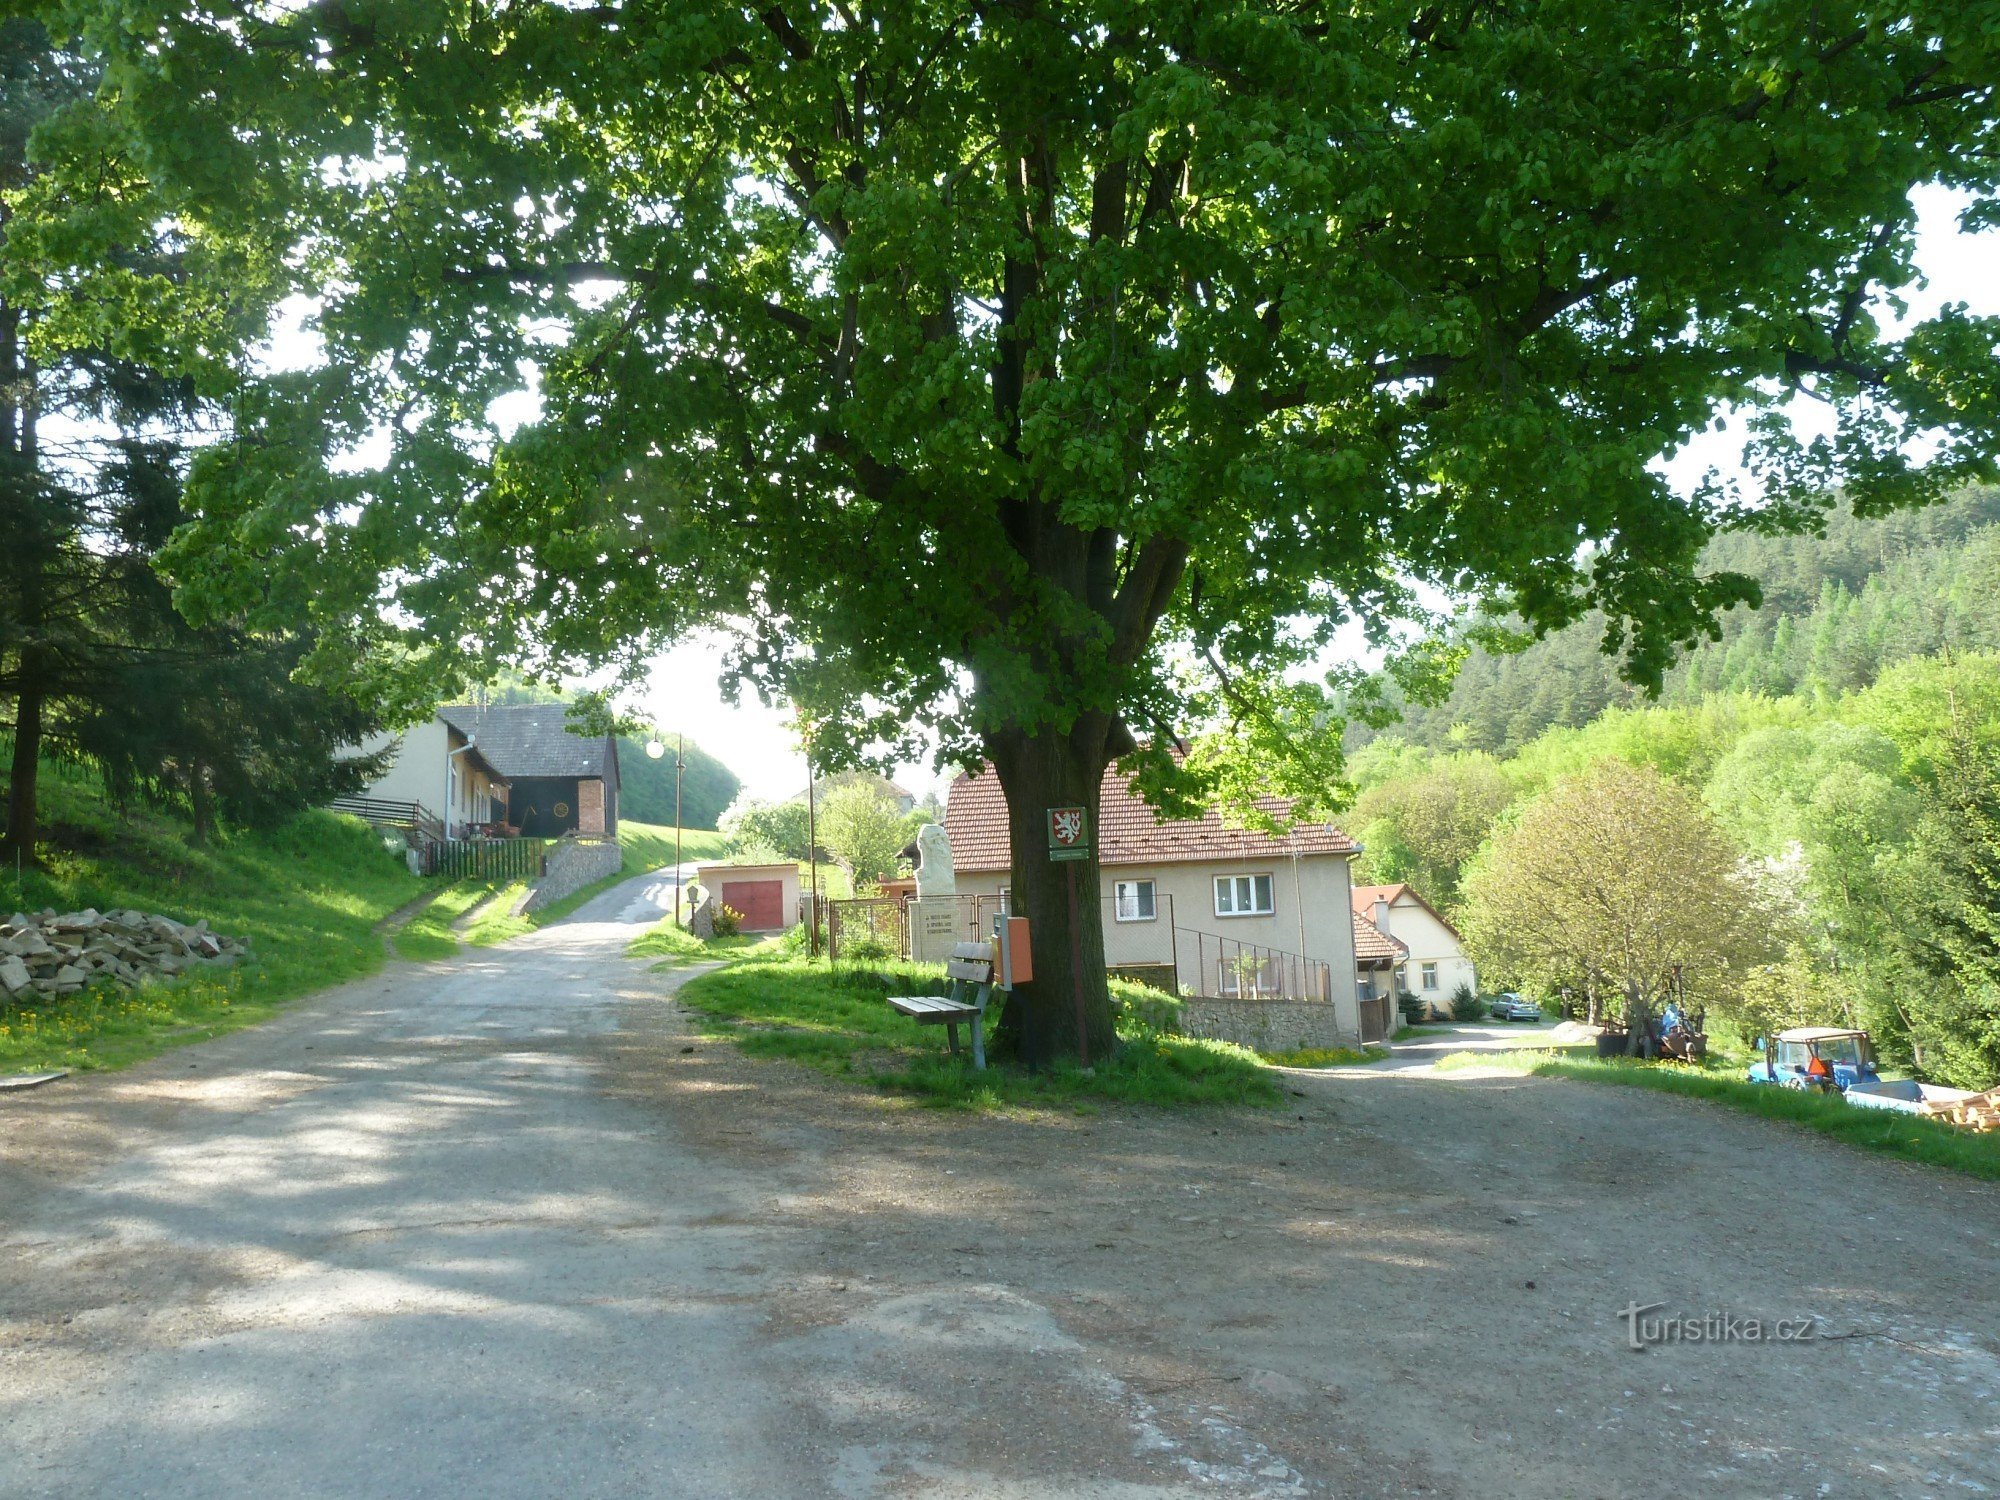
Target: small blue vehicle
{"type": "Point", "coordinates": [1828, 1058]}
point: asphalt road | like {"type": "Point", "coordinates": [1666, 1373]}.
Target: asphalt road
{"type": "Point", "coordinates": [394, 1243]}
{"type": "Point", "coordinates": [502, 1226]}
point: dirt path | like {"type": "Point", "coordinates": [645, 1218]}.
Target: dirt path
{"type": "Point", "coordinates": [498, 1226]}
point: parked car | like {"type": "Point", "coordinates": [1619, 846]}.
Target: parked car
{"type": "Point", "coordinates": [1511, 1007]}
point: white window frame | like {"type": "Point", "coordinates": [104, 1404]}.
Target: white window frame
{"type": "Point", "coordinates": [1119, 889]}
{"type": "Point", "coordinates": [1240, 885]}
{"type": "Point", "coordinates": [1236, 985]}
{"type": "Point", "coordinates": [1429, 974]}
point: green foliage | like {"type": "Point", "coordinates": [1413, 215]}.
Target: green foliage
{"type": "Point", "coordinates": [1422, 828]}
{"type": "Point", "coordinates": [1840, 609]}
{"type": "Point", "coordinates": [1326, 1057]}
{"type": "Point", "coordinates": [1466, 1005]}
{"type": "Point", "coordinates": [646, 786]}
{"type": "Point", "coordinates": [839, 1021]}
{"type": "Point", "coordinates": [1910, 1137]}
{"type": "Point", "coordinates": [728, 920]}
{"type": "Point", "coordinates": [1616, 880]}
{"type": "Point", "coordinates": [1143, 1005]}
{"type": "Point", "coordinates": [1946, 899]}
{"type": "Point", "coordinates": [755, 828]}
{"type": "Point", "coordinates": [861, 827]}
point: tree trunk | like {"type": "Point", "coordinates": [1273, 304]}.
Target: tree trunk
{"type": "Point", "coordinates": [1041, 1019]}
{"type": "Point", "coordinates": [22, 829]}
{"type": "Point", "coordinates": [199, 802]}
{"type": "Point", "coordinates": [1637, 1014]}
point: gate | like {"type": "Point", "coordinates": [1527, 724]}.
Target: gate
{"type": "Point", "coordinates": [1375, 1019]}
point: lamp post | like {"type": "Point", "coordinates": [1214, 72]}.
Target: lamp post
{"type": "Point", "coordinates": [812, 859]}
{"type": "Point", "coordinates": [680, 765]}
{"type": "Point", "coordinates": [655, 750]}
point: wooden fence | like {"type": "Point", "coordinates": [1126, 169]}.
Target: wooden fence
{"type": "Point", "coordinates": [488, 859]}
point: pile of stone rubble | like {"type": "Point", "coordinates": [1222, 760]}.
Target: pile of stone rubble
{"type": "Point", "coordinates": [58, 953]}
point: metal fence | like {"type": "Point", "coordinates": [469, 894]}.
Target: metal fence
{"type": "Point", "coordinates": [866, 930]}
{"type": "Point", "coordinates": [1142, 943]}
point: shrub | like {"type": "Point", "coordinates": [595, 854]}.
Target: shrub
{"type": "Point", "coordinates": [1414, 1009]}
{"type": "Point", "coordinates": [1466, 1004]}
{"type": "Point", "coordinates": [1143, 1005]}
{"type": "Point", "coordinates": [728, 920]}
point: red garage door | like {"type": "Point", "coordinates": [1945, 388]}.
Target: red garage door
{"type": "Point", "coordinates": [762, 902]}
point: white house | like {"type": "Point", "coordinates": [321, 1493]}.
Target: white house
{"type": "Point", "coordinates": [511, 769]}
{"type": "Point", "coordinates": [1434, 964]}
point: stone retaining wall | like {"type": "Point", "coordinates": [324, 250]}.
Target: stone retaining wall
{"type": "Point", "coordinates": [574, 864]}
{"type": "Point", "coordinates": [1267, 1025]}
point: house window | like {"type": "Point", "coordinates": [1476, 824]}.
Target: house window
{"type": "Point", "coordinates": [1247, 975]}
{"type": "Point", "coordinates": [1430, 976]}
{"type": "Point", "coordinates": [1133, 901]}
{"type": "Point", "coordinates": [1243, 896]}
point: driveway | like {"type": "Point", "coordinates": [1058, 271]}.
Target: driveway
{"type": "Point", "coordinates": [500, 1226]}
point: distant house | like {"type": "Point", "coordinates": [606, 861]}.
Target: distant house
{"type": "Point", "coordinates": [1211, 909]}
{"type": "Point", "coordinates": [1378, 958]}
{"type": "Point", "coordinates": [1434, 962]}
{"type": "Point", "coordinates": [514, 769]}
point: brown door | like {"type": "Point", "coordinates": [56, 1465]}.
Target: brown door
{"type": "Point", "coordinates": [762, 902]}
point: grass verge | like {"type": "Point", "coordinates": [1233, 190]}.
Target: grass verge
{"type": "Point", "coordinates": [839, 1022]}
{"type": "Point", "coordinates": [1327, 1057]}
{"type": "Point", "coordinates": [642, 846]}
{"type": "Point", "coordinates": [428, 935]}
{"type": "Point", "coordinates": [305, 896]}
{"type": "Point", "coordinates": [1908, 1136]}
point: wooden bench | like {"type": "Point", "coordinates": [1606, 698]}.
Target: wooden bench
{"type": "Point", "coordinates": [970, 968]}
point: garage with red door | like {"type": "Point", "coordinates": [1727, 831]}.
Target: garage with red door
{"type": "Point", "coordinates": [766, 895]}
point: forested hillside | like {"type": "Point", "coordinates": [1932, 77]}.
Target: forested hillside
{"type": "Point", "coordinates": [1838, 610]}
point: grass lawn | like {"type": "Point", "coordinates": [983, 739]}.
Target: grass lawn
{"type": "Point", "coordinates": [1327, 1057]}
{"type": "Point", "coordinates": [839, 1022]}
{"type": "Point", "coordinates": [1908, 1136]}
{"type": "Point", "coordinates": [306, 897]}
{"type": "Point", "coordinates": [428, 935]}
{"type": "Point", "coordinates": [676, 945]}
{"type": "Point", "coordinates": [645, 846]}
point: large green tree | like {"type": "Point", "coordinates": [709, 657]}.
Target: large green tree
{"type": "Point", "coordinates": [1056, 374]}
{"type": "Point", "coordinates": [1617, 883]}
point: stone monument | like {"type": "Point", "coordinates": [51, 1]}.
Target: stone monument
{"type": "Point", "coordinates": [935, 875]}
{"type": "Point", "coordinates": [936, 923]}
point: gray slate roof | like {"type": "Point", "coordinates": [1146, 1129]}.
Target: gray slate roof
{"type": "Point", "coordinates": [532, 739]}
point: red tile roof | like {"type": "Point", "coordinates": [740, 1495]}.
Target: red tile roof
{"type": "Point", "coordinates": [1374, 946]}
{"type": "Point", "coordinates": [1365, 897]}
{"type": "Point", "coordinates": [1128, 832]}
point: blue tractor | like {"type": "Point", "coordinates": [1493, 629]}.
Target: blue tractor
{"type": "Point", "coordinates": [1830, 1059]}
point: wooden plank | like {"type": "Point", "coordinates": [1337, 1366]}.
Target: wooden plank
{"type": "Point", "coordinates": [928, 1007]}
{"type": "Point", "coordinates": [961, 969]}
{"type": "Point", "coordinates": [973, 951]}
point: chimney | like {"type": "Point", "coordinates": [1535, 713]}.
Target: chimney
{"type": "Point", "coordinates": [1381, 918]}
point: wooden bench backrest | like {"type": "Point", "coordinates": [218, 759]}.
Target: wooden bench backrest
{"type": "Point", "coordinates": [972, 962]}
